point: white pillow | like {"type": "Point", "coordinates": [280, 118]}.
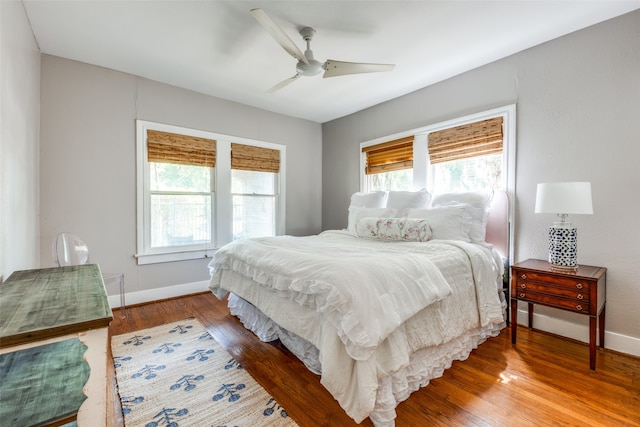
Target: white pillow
{"type": "Point", "coordinates": [408, 199]}
{"type": "Point", "coordinates": [447, 222]}
{"type": "Point", "coordinates": [373, 199]}
{"type": "Point", "coordinates": [478, 207]}
{"type": "Point", "coordinates": [401, 229]}
{"type": "Point", "coordinates": [357, 213]}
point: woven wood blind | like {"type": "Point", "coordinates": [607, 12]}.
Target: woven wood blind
{"type": "Point", "coordinates": [164, 147]}
{"type": "Point", "coordinates": [470, 140]}
{"type": "Point", "coordinates": [389, 156]}
{"type": "Point", "coordinates": [250, 158]}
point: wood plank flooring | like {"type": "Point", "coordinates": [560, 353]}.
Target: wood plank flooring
{"type": "Point", "coordinates": [542, 381]}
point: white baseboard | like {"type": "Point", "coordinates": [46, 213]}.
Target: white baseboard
{"type": "Point", "coordinates": [156, 294]}
{"type": "Point", "coordinates": [580, 332]}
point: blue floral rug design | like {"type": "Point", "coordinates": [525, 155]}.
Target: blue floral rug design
{"type": "Point", "coordinates": [177, 375]}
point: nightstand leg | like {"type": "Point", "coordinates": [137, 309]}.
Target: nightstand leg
{"type": "Point", "coordinates": [592, 342]}
{"type": "Point", "coordinates": [601, 326]}
{"type": "Point", "coordinates": [514, 320]}
{"type": "Point", "coordinates": [530, 315]}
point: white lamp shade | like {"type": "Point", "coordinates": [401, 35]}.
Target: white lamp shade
{"type": "Point", "coordinates": [564, 198]}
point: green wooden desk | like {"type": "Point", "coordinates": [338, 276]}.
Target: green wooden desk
{"type": "Point", "coordinates": [51, 320]}
{"type": "Point", "coordinates": [49, 302]}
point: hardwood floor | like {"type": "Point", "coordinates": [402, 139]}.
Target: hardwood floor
{"type": "Point", "coordinates": [544, 380]}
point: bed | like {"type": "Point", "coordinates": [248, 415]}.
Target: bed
{"type": "Point", "coordinates": [379, 309]}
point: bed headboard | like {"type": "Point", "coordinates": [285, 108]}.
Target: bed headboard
{"type": "Point", "coordinates": [498, 223]}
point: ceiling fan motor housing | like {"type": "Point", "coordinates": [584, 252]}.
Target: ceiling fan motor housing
{"type": "Point", "coordinates": [313, 67]}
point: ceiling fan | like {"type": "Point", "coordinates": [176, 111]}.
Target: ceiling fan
{"type": "Point", "coordinates": [307, 65]}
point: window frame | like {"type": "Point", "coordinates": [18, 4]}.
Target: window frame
{"type": "Point", "coordinates": [221, 196]}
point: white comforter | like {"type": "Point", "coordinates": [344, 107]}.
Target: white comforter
{"type": "Point", "coordinates": [350, 285]}
{"type": "Point", "coordinates": [361, 291]}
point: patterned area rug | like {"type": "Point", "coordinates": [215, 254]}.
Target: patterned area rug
{"type": "Point", "coordinates": [177, 375]}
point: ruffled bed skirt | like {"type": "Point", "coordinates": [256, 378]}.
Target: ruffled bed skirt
{"type": "Point", "coordinates": [425, 364]}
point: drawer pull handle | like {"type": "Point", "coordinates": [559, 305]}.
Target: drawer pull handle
{"type": "Point", "coordinates": [579, 307]}
{"type": "Point", "coordinates": [523, 286]}
{"type": "Point", "coordinates": [523, 277]}
{"type": "Point", "coordinates": [579, 286]}
{"type": "Point", "coordinates": [580, 296]}
{"type": "Point", "coordinates": [522, 294]}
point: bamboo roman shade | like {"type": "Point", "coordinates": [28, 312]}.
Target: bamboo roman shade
{"type": "Point", "coordinates": [470, 140]}
{"type": "Point", "coordinates": [389, 156]}
{"type": "Point", "coordinates": [251, 158]}
{"type": "Point", "coordinates": [164, 147]}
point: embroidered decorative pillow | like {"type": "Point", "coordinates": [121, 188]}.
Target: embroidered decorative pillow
{"type": "Point", "coordinates": [402, 229]}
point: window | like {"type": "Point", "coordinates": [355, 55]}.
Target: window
{"type": "Point", "coordinates": [254, 172]}
{"type": "Point", "coordinates": [391, 181]}
{"type": "Point", "coordinates": [467, 157]}
{"type": "Point", "coordinates": [180, 205]}
{"type": "Point", "coordinates": [199, 191]}
{"type": "Point", "coordinates": [389, 165]}
{"type": "Point", "coordinates": [468, 153]}
{"type": "Point", "coordinates": [468, 174]}
{"type": "Point", "coordinates": [180, 190]}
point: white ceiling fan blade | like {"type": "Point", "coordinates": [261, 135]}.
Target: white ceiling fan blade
{"type": "Point", "coordinates": [340, 68]}
{"type": "Point", "coordinates": [284, 83]}
{"type": "Point", "coordinates": [279, 35]}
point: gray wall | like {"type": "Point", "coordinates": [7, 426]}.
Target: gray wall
{"type": "Point", "coordinates": [578, 106]}
{"type": "Point", "coordinates": [88, 163]}
{"type": "Point", "coordinates": [19, 122]}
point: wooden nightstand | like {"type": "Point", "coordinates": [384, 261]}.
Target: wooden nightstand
{"type": "Point", "coordinates": [581, 291]}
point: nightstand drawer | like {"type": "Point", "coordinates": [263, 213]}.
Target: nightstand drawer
{"type": "Point", "coordinates": [581, 296]}
{"type": "Point", "coordinates": [553, 301]}
{"type": "Point", "coordinates": [564, 281]}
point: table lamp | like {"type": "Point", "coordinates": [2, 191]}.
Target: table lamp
{"type": "Point", "coordinates": [564, 198]}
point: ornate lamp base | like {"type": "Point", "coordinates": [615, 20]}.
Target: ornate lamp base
{"type": "Point", "coordinates": [563, 246]}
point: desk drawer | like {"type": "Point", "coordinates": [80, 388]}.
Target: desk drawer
{"type": "Point", "coordinates": [580, 296]}
{"type": "Point", "coordinates": [576, 283]}
{"type": "Point", "coordinates": [553, 301]}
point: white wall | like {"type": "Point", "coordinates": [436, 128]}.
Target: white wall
{"type": "Point", "coordinates": [88, 175]}
{"type": "Point", "coordinates": [19, 122]}
{"type": "Point", "coordinates": [578, 106]}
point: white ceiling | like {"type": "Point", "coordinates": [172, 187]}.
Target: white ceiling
{"type": "Point", "coordinates": [218, 48]}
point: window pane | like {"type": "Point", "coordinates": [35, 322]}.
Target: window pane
{"type": "Point", "coordinates": [178, 220]}
{"type": "Point", "coordinates": [250, 182]}
{"type": "Point", "coordinates": [170, 177]}
{"type": "Point", "coordinates": [253, 216]}
{"type": "Point", "coordinates": [468, 174]}
{"type": "Point", "coordinates": [391, 181]}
